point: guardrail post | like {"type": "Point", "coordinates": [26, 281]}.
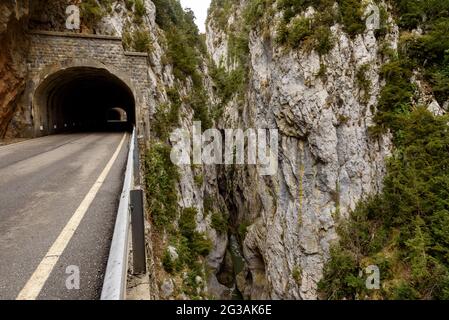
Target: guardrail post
{"type": "Point", "coordinates": [136, 157]}
{"type": "Point", "coordinates": [138, 232]}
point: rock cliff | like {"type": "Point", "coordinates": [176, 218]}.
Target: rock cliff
{"type": "Point", "coordinates": [13, 17]}
{"type": "Point", "coordinates": [327, 160]}
{"type": "Point", "coordinates": [312, 70]}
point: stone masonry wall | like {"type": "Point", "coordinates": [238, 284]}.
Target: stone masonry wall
{"type": "Point", "coordinates": [51, 52]}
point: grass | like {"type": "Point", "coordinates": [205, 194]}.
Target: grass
{"type": "Point", "coordinates": [199, 180]}
{"type": "Point", "coordinates": [167, 115]}
{"type": "Point", "coordinates": [243, 230]}
{"type": "Point", "coordinates": [219, 223]}
{"type": "Point", "coordinates": [190, 244]}
{"type": "Point", "coordinates": [142, 41]}
{"type": "Point", "coordinates": [92, 12]}
{"type": "Point", "coordinates": [297, 275]}
{"type": "Point", "coordinates": [363, 82]}
{"type": "Point", "coordinates": [161, 178]}
{"type": "Point", "coordinates": [139, 8]}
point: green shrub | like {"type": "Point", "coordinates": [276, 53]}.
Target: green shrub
{"type": "Point", "coordinates": [414, 13]}
{"type": "Point", "coordinates": [160, 178]}
{"type": "Point", "coordinates": [183, 57]}
{"type": "Point", "coordinates": [405, 291]}
{"type": "Point", "coordinates": [167, 115]}
{"type": "Point", "coordinates": [138, 40]}
{"type": "Point", "coordinates": [351, 16]}
{"type": "Point", "coordinates": [220, 11]}
{"type": "Point", "coordinates": [439, 79]}
{"type": "Point", "coordinates": [189, 243]}
{"type": "Point", "coordinates": [291, 8]}
{"type": "Point", "coordinates": [255, 11]}
{"type": "Point", "coordinates": [219, 223]}
{"type": "Point", "coordinates": [308, 33]}
{"type": "Point", "coordinates": [129, 4]}
{"type": "Point", "coordinates": [197, 242]}
{"type": "Point", "coordinates": [341, 280]}
{"type": "Point", "coordinates": [139, 7]}
{"type": "Point", "coordinates": [187, 222]}
{"type": "Point", "coordinates": [127, 40]}
{"type": "Point", "coordinates": [208, 204]}
{"type": "Point", "coordinates": [199, 104]}
{"type": "Point", "coordinates": [190, 284]}
{"type": "Point", "coordinates": [199, 180]}
{"type": "Point", "coordinates": [200, 244]}
{"type": "Point", "coordinates": [363, 82]}
{"type": "Point", "coordinates": [322, 72]}
{"type": "Point", "coordinates": [297, 275]}
{"type": "Point", "coordinates": [161, 124]}
{"type": "Point", "coordinates": [168, 13]}
{"type": "Point", "coordinates": [142, 41]}
{"type": "Point", "coordinates": [298, 31]}
{"type": "Point", "coordinates": [243, 230]}
{"type": "Point", "coordinates": [227, 84]}
{"type": "Point", "coordinates": [282, 32]}
{"type": "Point", "coordinates": [168, 263]}
{"type": "Point", "coordinates": [91, 12]}
{"type": "Point", "coordinates": [396, 95]}
{"type": "Point", "coordinates": [324, 41]}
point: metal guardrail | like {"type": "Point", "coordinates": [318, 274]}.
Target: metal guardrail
{"type": "Point", "coordinates": [114, 286]}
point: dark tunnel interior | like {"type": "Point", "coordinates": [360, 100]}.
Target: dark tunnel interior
{"type": "Point", "coordinates": [84, 99]}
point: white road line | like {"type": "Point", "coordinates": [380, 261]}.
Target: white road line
{"type": "Point", "coordinates": [37, 281]}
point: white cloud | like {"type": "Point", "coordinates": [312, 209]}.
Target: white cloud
{"type": "Point", "coordinates": [200, 8]}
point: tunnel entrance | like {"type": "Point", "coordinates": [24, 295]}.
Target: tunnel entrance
{"type": "Point", "coordinates": [117, 115]}
{"type": "Point", "coordinates": [84, 99]}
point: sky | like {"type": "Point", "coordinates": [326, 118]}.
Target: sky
{"type": "Point", "coordinates": [200, 8]}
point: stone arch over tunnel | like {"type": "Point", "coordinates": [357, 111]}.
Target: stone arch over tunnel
{"type": "Point", "coordinates": [81, 98]}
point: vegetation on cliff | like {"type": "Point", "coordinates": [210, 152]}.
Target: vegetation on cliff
{"type": "Point", "coordinates": [183, 248]}
{"type": "Point", "coordinates": [294, 30]}
{"type": "Point", "coordinates": [403, 230]}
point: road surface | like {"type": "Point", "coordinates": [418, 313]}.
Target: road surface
{"type": "Point", "coordinates": [58, 194]}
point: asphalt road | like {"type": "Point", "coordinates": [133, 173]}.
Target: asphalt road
{"type": "Point", "coordinates": [42, 184]}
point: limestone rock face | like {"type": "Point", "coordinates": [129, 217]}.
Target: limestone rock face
{"type": "Point", "coordinates": [327, 159]}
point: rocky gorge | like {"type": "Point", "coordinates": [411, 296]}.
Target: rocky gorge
{"type": "Point", "coordinates": [343, 84]}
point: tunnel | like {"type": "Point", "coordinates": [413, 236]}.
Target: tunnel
{"type": "Point", "coordinates": [84, 99]}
